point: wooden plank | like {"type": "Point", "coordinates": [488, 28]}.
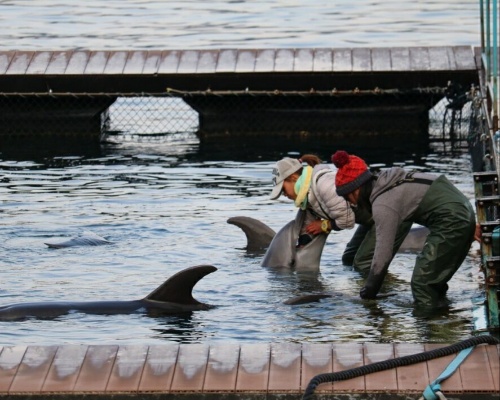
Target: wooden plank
{"type": "Point", "coordinates": [19, 63]}
{"type": "Point", "coordinates": [58, 63]}
{"type": "Point", "coordinates": [283, 61]}
{"type": "Point", "coordinates": [382, 381]}
{"type": "Point", "coordinates": [342, 60]}
{"type": "Point", "coordinates": [97, 63]}
{"type": "Point", "coordinates": [411, 378]}
{"type": "Point", "coordinates": [77, 63]}
{"type": "Point", "coordinates": [323, 60]}
{"type": "Point", "coordinates": [436, 366]}
{"type": "Point", "coordinates": [135, 62]}
{"type": "Point", "coordinates": [464, 57]}
{"type": "Point", "coordinates": [10, 359]}
{"type": "Point", "coordinates": [400, 59]}
{"type": "Point", "coordinates": [39, 63]}
{"type": "Point", "coordinates": [127, 369]}
{"type": "Point", "coordinates": [245, 61]}
{"type": "Point", "coordinates": [64, 371]}
{"type": "Point", "coordinates": [169, 62]}
{"type": "Point", "coordinates": [317, 359]}
{"type": "Point", "coordinates": [253, 370]}
{"type": "Point", "coordinates": [494, 360]}
{"type": "Point", "coordinates": [265, 60]}
{"type": "Point", "coordinates": [303, 61]}
{"type": "Point", "coordinates": [33, 369]}
{"type": "Point", "coordinates": [222, 368]}
{"type": "Point", "coordinates": [475, 376]}
{"type": "Point", "coordinates": [159, 368]}
{"type": "Point", "coordinates": [347, 356]}
{"type": "Point", "coordinates": [190, 369]}
{"type": "Point", "coordinates": [116, 63]}
{"type": "Point", "coordinates": [361, 60]}
{"type": "Point", "coordinates": [5, 60]}
{"type": "Point", "coordinates": [152, 62]}
{"type": "Point", "coordinates": [439, 58]}
{"type": "Point", "coordinates": [419, 59]}
{"type": "Point", "coordinates": [208, 61]}
{"type": "Point", "coordinates": [227, 61]}
{"type": "Point", "coordinates": [188, 62]}
{"type": "Point", "coordinates": [381, 59]}
{"type": "Point", "coordinates": [96, 368]}
{"type": "Point", "coordinates": [284, 370]}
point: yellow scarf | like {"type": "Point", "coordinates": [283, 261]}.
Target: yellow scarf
{"type": "Point", "coordinates": [302, 186]}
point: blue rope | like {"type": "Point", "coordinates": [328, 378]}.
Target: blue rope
{"type": "Point", "coordinates": [430, 392]}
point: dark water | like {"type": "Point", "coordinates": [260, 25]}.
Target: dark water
{"type": "Point", "coordinates": [165, 200]}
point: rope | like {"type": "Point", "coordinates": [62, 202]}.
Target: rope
{"type": "Point", "coordinates": [395, 362]}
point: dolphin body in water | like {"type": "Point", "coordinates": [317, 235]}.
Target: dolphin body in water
{"type": "Point", "coordinates": [174, 296]}
{"type": "Point", "coordinates": [87, 238]}
{"type": "Point", "coordinates": [282, 250]}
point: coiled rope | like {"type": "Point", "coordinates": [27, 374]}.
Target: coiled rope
{"type": "Point", "coordinates": [395, 362]}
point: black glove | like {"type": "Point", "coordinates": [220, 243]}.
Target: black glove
{"type": "Point", "coordinates": [368, 292]}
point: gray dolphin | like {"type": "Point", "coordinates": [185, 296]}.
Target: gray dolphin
{"type": "Point", "coordinates": [174, 296]}
{"type": "Point", "coordinates": [259, 235]}
{"type": "Point", "coordinates": [282, 250]}
{"type": "Point", "coordinates": [87, 238]}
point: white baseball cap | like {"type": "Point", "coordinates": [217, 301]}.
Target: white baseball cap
{"type": "Point", "coordinates": [282, 170]}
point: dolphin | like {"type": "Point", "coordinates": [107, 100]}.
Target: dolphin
{"type": "Point", "coordinates": [260, 236]}
{"type": "Point", "coordinates": [282, 250]}
{"type": "Point", "coordinates": [87, 238]}
{"type": "Point", "coordinates": [174, 296]}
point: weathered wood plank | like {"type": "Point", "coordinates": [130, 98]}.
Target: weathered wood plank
{"type": "Point", "coordinates": [10, 360]}
{"type": "Point", "coordinates": [96, 368]}
{"type": "Point", "coordinates": [64, 371]}
{"type": "Point", "coordinates": [284, 370]}
{"type": "Point", "coordinates": [317, 359]}
{"type": "Point", "coordinates": [33, 369]}
{"type": "Point", "coordinates": [323, 60]}
{"type": "Point", "coordinates": [411, 378]}
{"type": "Point", "coordinates": [169, 62]}
{"type": "Point", "coordinates": [77, 63]}
{"type": "Point", "coordinates": [419, 59]}
{"type": "Point", "coordinates": [245, 61]}
{"type": "Point", "coordinates": [19, 63]}
{"type": "Point", "coordinates": [116, 63]}
{"type": "Point", "coordinates": [464, 57]}
{"type": "Point", "coordinates": [439, 58]}
{"type": "Point", "coordinates": [127, 369]}
{"type": "Point", "coordinates": [253, 369]}
{"type": "Point", "coordinates": [265, 60]}
{"type": "Point", "coordinates": [135, 62]}
{"type": "Point", "coordinates": [222, 368]}
{"type": "Point", "coordinates": [381, 59]}
{"type": "Point", "coordinates": [342, 60]}
{"type": "Point", "coordinates": [152, 62]}
{"type": "Point", "coordinates": [207, 62]}
{"type": "Point", "coordinates": [361, 60]}
{"type": "Point", "coordinates": [303, 61]}
{"type": "Point", "coordinates": [227, 61]}
{"type": "Point", "coordinates": [58, 63]}
{"type": "Point", "coordinates": [382, 381]}
{"type": "Point", "coordinates": [159, 368]}
{"type": "Point", "coordinates": [97, 63]}
{"type": "Point", "coordinates": [190, 368]}
{"type": "Point", "coordinates": [39, 63]}
{"type": "Point", "coordinates": [347, 356]}
{"type": "Point", "coordinates": [400, 59]}
{"type": "Point", "coordinates": [188, 62]}
{"type": "Point", "coordinates": [284, 60]}
{"type": "Point", "coordinates": [5, 60]}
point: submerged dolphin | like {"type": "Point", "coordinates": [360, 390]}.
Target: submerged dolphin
{"type": "Point", "coordinates": [87, 238]}
{"type": "Point", "coordinates": [174, 296]}
{"type": "Point", "coordinates": [282, 250]}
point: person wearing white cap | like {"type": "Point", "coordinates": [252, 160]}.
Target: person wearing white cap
{"type": "Point", "coordinates": [312, 188]}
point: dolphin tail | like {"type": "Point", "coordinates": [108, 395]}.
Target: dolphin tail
{"type": "Point", "coordinates": [178, 288]}
{"type": "Point", "coordinates": [258, 234]}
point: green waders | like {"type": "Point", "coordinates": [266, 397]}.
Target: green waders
{"type": "Point", "coordinates": [359, 251]}
{"type": "Point", "coordinates": [450, 218]}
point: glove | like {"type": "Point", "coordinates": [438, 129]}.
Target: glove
{"type": "Point", "coordinates": [368, 292]}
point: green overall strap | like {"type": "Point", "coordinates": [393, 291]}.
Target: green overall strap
{"type": "Point", "coordinates": [409, 178]}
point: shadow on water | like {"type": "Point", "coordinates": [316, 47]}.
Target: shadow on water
{"type": "Point", "coordinates": [187, 147]}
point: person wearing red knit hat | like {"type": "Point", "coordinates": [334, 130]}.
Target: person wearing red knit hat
{"type": "Point", "coordinates": [395, 197]}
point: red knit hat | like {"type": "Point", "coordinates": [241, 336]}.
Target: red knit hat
{"type": "Point", "coordinates": [352, 172]}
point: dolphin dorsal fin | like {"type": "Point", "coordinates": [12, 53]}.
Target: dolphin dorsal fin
{"type": "Point", "coordinates": [178, 288]}
{"type": "Point", "coordinates": [258, 234]}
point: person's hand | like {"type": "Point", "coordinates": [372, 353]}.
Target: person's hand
{"type": "Point", "coordinates": [368, 293]}
{"type": "Point", "coordinates": [478, 233]}
{"type": "Point", "coordinates": [314, 228]}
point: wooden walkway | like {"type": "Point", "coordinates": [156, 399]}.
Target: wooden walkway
{"type": "Point", "coordinates": [243, 371]}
